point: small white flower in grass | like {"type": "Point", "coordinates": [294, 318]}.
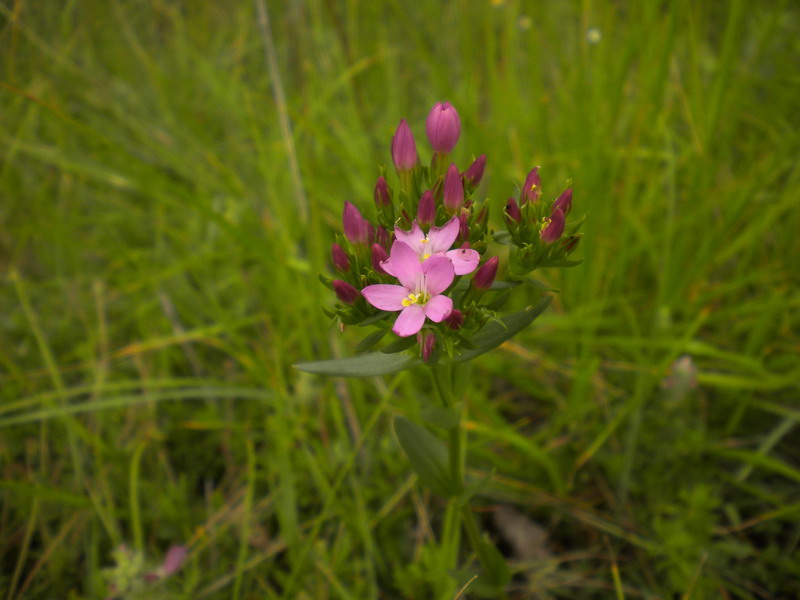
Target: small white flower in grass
{"type": "Point", "coordinates": [437, 242]}
{"type": "Point", "coordinates": [419, 295]}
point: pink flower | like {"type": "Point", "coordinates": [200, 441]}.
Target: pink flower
{"type": "Point", "coordinates": [419, 295]}
{"type": "Point", "coordinates": [553, 227]}
{"type": "Point", "coordinates": [437, 243]}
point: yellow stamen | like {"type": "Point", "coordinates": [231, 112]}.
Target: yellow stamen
{"type": "Point", "coordinates": [425, 256]}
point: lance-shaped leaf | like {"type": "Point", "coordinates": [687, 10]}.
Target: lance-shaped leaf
{"type": "Point", "coordinates": [493, 333]}
{"type": "Point", "coordinates": [364, 365]}
{"type": "Point", "coordinates": [427, 455]}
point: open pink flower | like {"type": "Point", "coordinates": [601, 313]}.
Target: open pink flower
{"type": "Point", "coordinates": [437, 243]}
{"type": "Point", "coordinates": [419, 295]}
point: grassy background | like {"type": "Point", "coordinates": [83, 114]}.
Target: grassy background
{"type": "Point", "coordinates": [160, 236]}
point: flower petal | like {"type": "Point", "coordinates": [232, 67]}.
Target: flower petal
{"type": "Point", "coordinates": [464, 260]}
{"type": "Point", "coordinates": [438, 308]}
{"type": "Point", "coordinates": [384, 296]}
{"type": "Point", "coordinates": [410, 320]}
{"type": "Point", "coordinates": [386, 265]}
{"type": "Point", "coordinates": [442, 238]}
{"type": "Point", "coordinates": [414, 238]}
{"type": "Point", "coordinates": [406, 266]}
{"type": "Point", "coordinates": [439, 274]}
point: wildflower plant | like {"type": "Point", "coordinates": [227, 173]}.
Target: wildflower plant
{"type": "Point", "coordinates": [425, 278]}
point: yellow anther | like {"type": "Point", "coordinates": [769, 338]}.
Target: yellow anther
{"type": "Point", "coordinates": [425, 256]}
{"type": "Point", "coordinates": [425, 241]}
{"type": "Point", "coordinates": [412, 299]}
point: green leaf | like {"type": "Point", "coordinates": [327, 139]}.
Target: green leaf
{"type": "Point", "coordinates": [400, 344]}
{"type": "Point", "coordinates": [494, 563]}
{"type": "Point", "coordinates": [427, 455]}
{"type": "Point", "coordinates": [493, 333]}
{"type": "Point", "coordinates": [369, 341]}
{"type": "Point", "coordinates": [364, 365]}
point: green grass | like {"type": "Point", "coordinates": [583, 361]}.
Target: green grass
{"type": "Point", "coordinates": [159, 251]}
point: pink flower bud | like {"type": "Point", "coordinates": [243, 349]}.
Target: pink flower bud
{"type": "Point", "coordinates": [453, 190]}
{"type": "Point", "coordinates": [513, 214]}
{"type": "Point", "coordinates": [404, 149]}
{"type": "Point", "coordinates": [176, 555]}
{"type": "Point", "coordinates": [564, 201]}
{"type": "Point", "coordinates": [455, 319]}
{"type": "Point", "coordinates": [382, 197]}
{"type": "Point", "coordinates": [340, 260]}
{"type": "Point", "coordinates": [571, 243]}
{"type": "Point", "coordinates": [426, 213]}
{"type": "Point", "coordinates": [377, 256]}
{"type": "Point", "coordinates": [463, 229]}
{"type": "Point", "coordinates": [474, 174]}
{"type": "Point", "coordinates": [345, 292]}
{"type": "Point", "coordinates": [427, 342]}
{"type": "Point", "coordinates": [553, 227]}
{"type": "Point", "coordinates": [484, 276]}
{"type": "Point", "coordinates": [443, 127]}
{"type": "Point", "coordinates": [356, 227]}
{"type": "Point", "coordinates": [381, 237]}
{"type": "Point", "coordinates": [532, 189]}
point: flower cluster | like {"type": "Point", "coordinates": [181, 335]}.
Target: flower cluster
{"type": "Point", "coordinates": [421, 267]}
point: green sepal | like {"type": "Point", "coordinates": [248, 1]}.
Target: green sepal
{"type": "Point", "coordinates": [502, 237]}
{"type": "Point", "coordinates": [373, 318]}
{"type": "Point", "coordinates": [400, 344]}
{"type": "Point", "coordinates": [369, 341]}
{"type": "Point", "coordinates": [363, 365]}
{"type": "Point", "coordinates": [498, 302]}
{"type": "Point", "coordinates": [427, 455]}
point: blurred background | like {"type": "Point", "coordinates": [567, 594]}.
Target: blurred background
{"type": "Point", "coordinates": [171, 177]}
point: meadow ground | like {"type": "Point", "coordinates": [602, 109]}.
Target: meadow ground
{"type": "Point", "coordinates": [172, 176]}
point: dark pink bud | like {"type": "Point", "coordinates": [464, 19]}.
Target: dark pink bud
{"type": "Point", "coordinates": [532, 189]}
{"type": "Point", "coordinates": [474, 174]}
{"type": "Point", "coordinates": [340, 260]}
{"type": "Point", "coordinates": [356, 227]}
{"type": "Point", "coordinates": [443, 127]}
{"type": "Point", "coordinates": [382, 197]}
{"type": "Point", "coordinates": [426, 213]}
{"type": "Point", "coordinates": [553, 227]}
{"type": "Point", "coordinates": [455, 319]}
{"type": "Point", "coordinates": [377, 256]}
{"type": "Point", "coordinates": [571, 243]}
{"type": "Point", "coordinates": [463, 228]}
{"type": "Point", "coordinates": [513, 214]}
{"type": "Point", "coordinates": [381, 237]}
{"type": "Point", "coordinates": [345, 292]}
{"type": "Point", "coordinates": [484, 276]}
{"type": "Point", "coordinates": [453, 190]}
{"type": "Point", "coordinates": [173, 561]}
{"type": "Point", "coordinates": [427, 342]}
{"type": "Point", "coordinates": [404, 149]}
{"type": "Point", "coordinates": [564, 201]}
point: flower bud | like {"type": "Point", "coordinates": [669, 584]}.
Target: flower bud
{"type": "Point", "coordinates": [382, 197]}
{"type": "Point", "coordinates": [564, 201]}
{"type": "Point", "coordinates": [340, 260]}
{"type": "Point", "coordinates": [484, 276]}
{"type": "Point", "coordinates": [443, 127]}
{"type": "Point", "coordinates": [453, 190]}
{"type": "Point", "coordinates": [356, 227]}
{"type": "Point", "coordinates": [404, 149]}
{"type": "Point", "coordinates": [483, 215]}
{"type": "Point", "coordinates": [463, 230]}
{"type": "Point", "coordinates": [571, 243]}
{"type": "Point", "coordinates": [426, 212]}
{"type": "Point", "coordinates": [474, 174]}
{"type": "Point", "coordinates": [512, 212]}
{"type": "Point", "coordinates": [532, 189]}
{"type": "Point", "coordinates": [381, 237]}
{"type": "Point", "coordinates": [455, 319]}
{"type": "Point", "coordinates": [345, 292]}
{"type": "Point", "coordinates": [427, 342]}
{"type": "Point", "coordinates": [377, 256]}
{"type": "Point", "coordinates": [553, 227]}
